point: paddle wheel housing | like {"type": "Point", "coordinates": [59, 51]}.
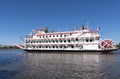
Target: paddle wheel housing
{"type": "Point", "coordinates": [107, 44]}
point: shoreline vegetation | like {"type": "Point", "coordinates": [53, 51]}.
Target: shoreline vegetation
{"type": "Point", "coordinates": [15, 47]}
{"type": "Point", "coordinates": [8, 47]}
{"type": "Point", "coordinates": [118, 45]}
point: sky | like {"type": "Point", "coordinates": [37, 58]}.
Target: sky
{"type": "Point", "coordinates": [19, 17]}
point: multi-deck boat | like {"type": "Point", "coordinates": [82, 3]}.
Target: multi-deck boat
{"type": "Point", "coordinates": [80, 40]}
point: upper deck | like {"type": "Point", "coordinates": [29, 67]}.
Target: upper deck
{"type": "Point", "coordinates": [82, 33]}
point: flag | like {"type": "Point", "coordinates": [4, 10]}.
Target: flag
{"type": "Point", "coordinates": [98, 28]}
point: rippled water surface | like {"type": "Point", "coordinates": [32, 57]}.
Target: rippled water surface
{"type": "Point", "coordinates": [18, 64]}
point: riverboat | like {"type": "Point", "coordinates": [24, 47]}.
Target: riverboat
{"type": "Point", "coordinates": [81, 40]}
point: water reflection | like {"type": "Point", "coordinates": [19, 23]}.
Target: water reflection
{"type": "Point", "coordinates": [70, 66]}
{"type": "Point", "coordinates": [16, 64]}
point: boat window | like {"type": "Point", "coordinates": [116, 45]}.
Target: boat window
{"type": "Point", "coordinates": [72, 39]}
{"type": "Point", "coordinates": [97, 38]}
{"type": "Point", "coordinates": [33, 46]}
{"type": "Point", "coordinates": [64, 46]}
{"type": "Point", "coordinates": [26, 41]}
{"type": "Point", "coordinates": [60, 46]}
{"type": "Point", "coordinates": [64, 40]}
{"type": "Point", "coordinates": [68, 40]}
{"type": "Point", "coordinates": [36, 46]}
{"type": "Point", "coordinates": [61, 41]}
{"type": "Point", "coordinates": [64, 35]}
{"type": "Point", "coordinates": [87, 40]}
{"type": "Point", "coordinates": [53, 41]}
{"type": "Point", "coordinates": [60, 35]}
{"type": "Point", "coordinates": [39, 41]}
{"type": "Point", "coordinates": [57, 41]}
{"type": "Point", "coordinates": [76, 39]}
{"type": "Point", "coordinates": [72, 46]}
{"type": "Point", "coordinates": [91, 39]}
{"type": "Point", "coordinates": [36, 41]}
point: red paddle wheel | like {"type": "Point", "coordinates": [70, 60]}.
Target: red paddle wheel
{"type": "Point", "coordinates": [107, 44]}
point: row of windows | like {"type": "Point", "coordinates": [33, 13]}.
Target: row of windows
{"type": "Point", "coordinates": [51, 46]}
{"type": "Point", "coordinates": [60, 41]}
{"type": "Point", "coordinates": [51, 41]}
{"type": "Point", "coordinates": [44, 36]}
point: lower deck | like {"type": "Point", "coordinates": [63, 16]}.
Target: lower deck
{"type": "Point", "coordinates": [33, 50]}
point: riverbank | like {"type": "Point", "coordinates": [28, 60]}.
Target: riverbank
{"type": "Point", "coordinates": [8, 47]}
{"type": "Point", "coordinates": [118, 46]}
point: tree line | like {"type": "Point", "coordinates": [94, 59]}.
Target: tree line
{"type": "Point", "coordinates": [8, 47]}
{"type": "Point", "coordinates": [118, 45]}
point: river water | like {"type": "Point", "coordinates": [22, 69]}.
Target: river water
{"type": "Point", "coordinates": [18, 64]}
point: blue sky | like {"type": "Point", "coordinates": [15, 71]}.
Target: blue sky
{"type": "Point", "coordinates": [19, 17]}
